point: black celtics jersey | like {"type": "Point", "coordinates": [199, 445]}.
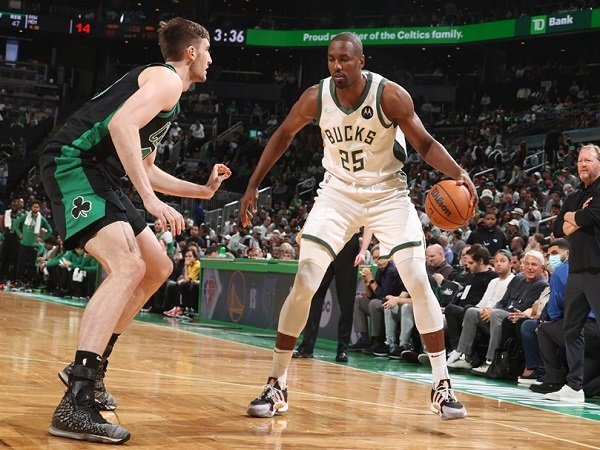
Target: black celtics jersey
{"type": "Point", "coordinates": [85, 136]}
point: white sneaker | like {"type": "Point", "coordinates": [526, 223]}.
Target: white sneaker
{"type": "Point", "coordinates": [453, 356]}
{"type": "Point", "coordinates": [444, 403]}
{"type": "Point", "coordinates": [461, 364]}
{"type": "Point", "coordinates": [567, 395]}
{"type": "Point", "coordinates": [271, 401]}
{"type": "Point", "coordinates": [482, 369]}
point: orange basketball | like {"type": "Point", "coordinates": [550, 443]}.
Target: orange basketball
{"type": "Point", "coordinates": [448, 205]}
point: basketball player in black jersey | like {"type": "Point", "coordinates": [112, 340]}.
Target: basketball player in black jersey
{"type": "Point", "coordinates": [115, 134]}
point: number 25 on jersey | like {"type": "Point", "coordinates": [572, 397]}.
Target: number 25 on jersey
{"type": "Point", "coordinates": [352, 161]}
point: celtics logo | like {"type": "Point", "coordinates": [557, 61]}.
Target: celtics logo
{"type": "Point", "coordinates": [80, 207]}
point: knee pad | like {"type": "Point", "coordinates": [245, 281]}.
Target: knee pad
{"type": "Point", "coordinates": [427, 311]}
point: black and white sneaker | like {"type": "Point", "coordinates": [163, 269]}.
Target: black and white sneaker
{"type": "Point", "coordinates": [78, 417]}
{"type": "Point", "coordinates": [104, 400]}
{"type": "Point", "coordinates": [271, 401]}
{"type": "Point", "coordinates": [444, 403]}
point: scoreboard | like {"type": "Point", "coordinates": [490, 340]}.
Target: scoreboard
{"type": "Point", "coordinates": [33, 23]}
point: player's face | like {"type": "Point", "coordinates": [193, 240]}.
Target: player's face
{"type": "Point", "coordinates": [202, 61]}
{"type": "Point", "coordinates": [345, 63]}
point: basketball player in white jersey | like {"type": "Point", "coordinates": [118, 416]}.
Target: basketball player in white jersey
{"type": "Point", "coordinates": [364, 119]}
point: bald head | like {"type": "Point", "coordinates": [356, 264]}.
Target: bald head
{"type": "Point", "coordinates": [435, 255]}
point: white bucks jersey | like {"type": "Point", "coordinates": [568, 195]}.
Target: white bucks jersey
{"type": "Point", "coordinates": [361, 145]}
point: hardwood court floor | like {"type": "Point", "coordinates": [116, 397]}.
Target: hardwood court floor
{"type": "Point", "coordinates": [181, 390]}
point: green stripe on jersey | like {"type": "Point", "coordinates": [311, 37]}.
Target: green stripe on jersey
{"type": "Point", "coordinates": [402, 247]}
{"type": "Point", "coordinates": [320, 241]}
{"type": "Point", "coordinates": [399, 151]}
{"type": "Point", "coordinates": [380, 114]}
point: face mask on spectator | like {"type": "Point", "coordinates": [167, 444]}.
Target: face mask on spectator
{"type": "Point", "coordinates": [554, 261]}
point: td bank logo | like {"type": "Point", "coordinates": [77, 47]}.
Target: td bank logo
{"type": "Point", "coordinates": [538, 25]}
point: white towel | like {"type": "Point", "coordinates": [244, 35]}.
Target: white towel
{"type": "Point", "coordinates": [38, 222]}
{"type": "Point", "coordinates": [8, 219]}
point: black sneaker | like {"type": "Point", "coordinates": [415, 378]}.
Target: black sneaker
{"type": "Point", "coordinates": [379, 350]}
{"type": "Point", "coordinates": [272, 400]}
{"type": "Point", "coordinates": [104, 401]}
{"type": "Point", "coordinates": [341, 357]}
{"type": "Point", "coordinates": [301, 354]}
{"type": "Point", "coordinates": [78, 417]}
{"type": "Point", "coordinates": [545, 388]}
{"type": "Point", "coordinates": [444, 403]}
{"type": "Point", "coordinates": [396, 354]}
{"type": "Point", "coordinates": [410, 356]}
{"type": "Point", "coordinates": [359, 345]}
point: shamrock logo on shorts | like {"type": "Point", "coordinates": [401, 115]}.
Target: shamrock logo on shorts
{"type": "Point", "coordinates": [80, 207]}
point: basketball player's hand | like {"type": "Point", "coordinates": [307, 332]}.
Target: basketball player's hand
{"type": "Point", "coordinates": [248, 207]}
{"type": "Point", "coordinates": [219, 173]}
{"type": "Point", "coordinates": [360, 259]}
{"type": "Point", "coordinates": [166, 213]}
{"type": "Point", "coordinates": [466, 180]}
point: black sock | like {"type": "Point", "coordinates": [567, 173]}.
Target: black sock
{"type": "Point", "coordinates": [88, 359]}
{"type": "Point", "coordinates": [109, 347]}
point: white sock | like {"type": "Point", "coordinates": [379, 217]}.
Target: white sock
{"type": "Point", "coordinates": [439, 370]}
{"type": "Point", "coordinates": [281, 362]}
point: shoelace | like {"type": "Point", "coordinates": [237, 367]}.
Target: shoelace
{"type": "Point", "coordinates": [446, 392]}
{"type": "Point", "coordinates": [88, 404]}
{"type": "Point", "coordinates": [269, 391]}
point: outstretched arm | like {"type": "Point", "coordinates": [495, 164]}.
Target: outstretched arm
{"type": "Point", "coordinates": [163, 182]}
{"type": "Point", "coordinates": [303, 111]}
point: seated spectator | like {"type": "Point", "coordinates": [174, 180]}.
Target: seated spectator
{"type": "Point", "coordinates": [386, 282]}
{"type": "Point", "coordinates": [478, 262]}
{"type": "Point", "coordinates": [56, 251]}
{"type": "Point", "coordinates": [164, 235]}
{"type": "Point", "coordinates": [399, 310]}
{"type": "Point", "coordinates": [193, 237]}
{"type": "Point", "coordinates": [68, 273]}
{"type": "Point", "coordinates": [84, 275]}
{"type": "Point", "coordinates": [287, 251]}
{"type": "Point", "coordinates": [448, 255]}
{"type": "Point", "coordinates": [437, 266]}
{"type": "Point", "coordinates": [517, 214]}
{"type": "Point", "coordinates": [516, 262]}
{"type": "Point", "coordinates": [187, 286]}
{"type": "Point", "coordinates": [534, 367]}
{"type": "Point", "coordinates": [488, 234]}
{"type": "Point", "coordinates": [521, 293]}
{"type": "Point", "coordinates": [461, 274]}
